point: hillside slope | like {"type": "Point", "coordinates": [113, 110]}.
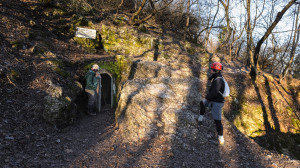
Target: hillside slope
{"type": "Point", "coordinates": [37, 46]}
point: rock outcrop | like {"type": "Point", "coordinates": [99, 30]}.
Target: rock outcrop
{"type": "Point", "coordinates": [59, 106]}
{"type": "Point", "coordinates": [156, 101]}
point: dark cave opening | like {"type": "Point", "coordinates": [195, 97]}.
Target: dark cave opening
{"type": "Point", "coordinates": [106, 89]}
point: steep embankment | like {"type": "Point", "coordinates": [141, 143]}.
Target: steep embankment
{"type": "Point", "coordinates": [266, 111]}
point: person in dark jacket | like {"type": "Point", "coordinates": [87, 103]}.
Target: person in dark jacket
{"type": "Point", "coordinates": [214, 99]}
{"type": "Point", "coordinates": [91, 78]}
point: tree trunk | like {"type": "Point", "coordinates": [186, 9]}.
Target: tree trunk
{"type": "Point", "coordinates": [187, 19]}
{"type": "Point", "coordinates": [230, 50]}
{"type": "Point", "coordinates": [249, 38]}
{"type": "Point", "coordinates": [138, 11]}
{"type": "Point", "coordinates": [238, 49]}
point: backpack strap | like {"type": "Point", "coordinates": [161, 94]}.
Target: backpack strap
{"type": "Point", "coordinates": [224, 84]}
{"type": "Point", "coordinates": [219, 77]}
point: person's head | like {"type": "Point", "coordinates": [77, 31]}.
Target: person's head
{"type": "Point", "coordinates": [95, 68]}
{"type": "Point", "coordinates": [216, 67]}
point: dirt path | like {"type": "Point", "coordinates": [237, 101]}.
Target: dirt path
{"type": "Point", "coordinates": [93, 142]}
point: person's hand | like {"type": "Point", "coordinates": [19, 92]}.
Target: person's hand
{"type": "Point", "coordinates": [98, 75]}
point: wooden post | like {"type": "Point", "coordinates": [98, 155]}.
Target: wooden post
{"type": "Point", "coordinates": [98, 92]}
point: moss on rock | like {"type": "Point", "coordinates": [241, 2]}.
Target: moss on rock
{"type": "Point", "coordinates": [125, 41]}
{"type": "Point", "coordinates": [120, 20]}
{"type": "Point", "coordinates": [91, 45]}
{"type": "Point", "coordinates": [57, 110]}
{"type": "Point", "coordinates": [119, 68]}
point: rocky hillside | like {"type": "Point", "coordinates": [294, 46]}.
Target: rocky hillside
{"type": "Point", "coordinates": [160, 80]}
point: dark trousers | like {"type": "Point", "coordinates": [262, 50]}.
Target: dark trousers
{"type": "Point", "coordinates": [218, 123]}
{"type": "Point", "coordinates": [91, 99]}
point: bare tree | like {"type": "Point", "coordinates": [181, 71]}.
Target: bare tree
{"type": "Point", "coordinates": [237, 43]}
{"type": "Point", "coordinates": [250, 28]}
{"type": "Point", "coordinates": [154, 10]}
{"type": "Point", "coordinates": [205, 11]}
{"type": "Point", "coordinates": [225, 4]}
{"type": "Point", "coordinates": [235, 39]}
{"type": "Point", "coordinates": [253, 72]}
{"type": "Point", "coordinates": [296, 67]}
{"type": "Point", "coordinates": [238, 48]}
{"type": "Point", "coordinates": [138, 11]}
{"type": "Point", "coordinates": [209, 27]}
{"type": "Point", "coordinates": [294, 46]}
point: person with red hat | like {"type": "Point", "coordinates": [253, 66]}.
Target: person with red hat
{"type": "Point", "coordinates": [214, 100]}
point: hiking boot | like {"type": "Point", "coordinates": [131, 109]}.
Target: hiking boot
{"type": "Point", "coordinates": [91, 111]}
{"type": "Point", "coordinates": [200, 118]}
{"type": "Point", "coordinates": [221, 139]}
{"type": "Point", "coordinates": [93, 114]}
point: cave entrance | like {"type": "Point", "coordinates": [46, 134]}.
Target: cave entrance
{"type": "Point", "coordinates": [108, 89]}
{"type": "Point", "coordinates": [108, 92]}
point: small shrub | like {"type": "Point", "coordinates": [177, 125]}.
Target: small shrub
{"type": "Point", "coordinates": [14, 75]}
{"type": "Point", "coordinates": [16, 44]}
